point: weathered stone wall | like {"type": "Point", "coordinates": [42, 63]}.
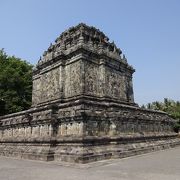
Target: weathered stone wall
{"type": "Point", "coordinates": [81, 64]}
{"type": "Point", "coordinates": [123, 120]}
{"type": "Point", "coordinates": [83, 77]}
{"type": "Point", "coordinates": [101, 81]}
{"type": "Point", "coordinates": [60, 82]}
{"type": "Point", "coordinates": [73, 79]}
{"type": "Point", "coordinates": [41, 124]}
{"type": "Point", "coordinates": [115, 85]}
{"type": "Point", "coordinates": [85, 132]}
{"type": "Point", "coordinates": [44, 123]}
{"type": "Point", "coordinates": [26, 126]}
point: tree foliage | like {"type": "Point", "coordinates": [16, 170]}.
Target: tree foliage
{"type": "Point", "coordinates": [170, 106]}
{"type": "Point", "coordinates": [15, 84]}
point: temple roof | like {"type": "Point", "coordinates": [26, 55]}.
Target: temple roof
{"type": "Point", "coordinates": [81, 28]}
{"type": "Point", "coordinates": [82, 36]}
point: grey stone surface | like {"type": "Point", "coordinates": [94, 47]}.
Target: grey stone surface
{"type": "Point", "coordinates": [162, 165]}
{"type": "Point", "coordinates": [83, 107]}
{"type": "Point", "coordinates": [82, 61]}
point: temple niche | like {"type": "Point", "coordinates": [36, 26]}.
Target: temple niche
{"type": "Point", "coordinates": [83, 107]}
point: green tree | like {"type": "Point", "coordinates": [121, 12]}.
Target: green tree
{"type": "Point", "coordinates": [15, 84]}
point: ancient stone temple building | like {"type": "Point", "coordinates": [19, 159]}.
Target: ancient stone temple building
{"type": "Point", "coordinates": [83, 108]}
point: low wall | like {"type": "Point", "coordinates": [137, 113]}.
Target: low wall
{"type": "Point", "coordinates": [84, 133]}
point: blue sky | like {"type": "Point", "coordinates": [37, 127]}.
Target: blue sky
{"type": "Point", "coordinates": [147, 31]}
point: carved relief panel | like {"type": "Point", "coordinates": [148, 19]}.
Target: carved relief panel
{"type": "Point", "coordinates": [50, 85]}
{"type": "Point", "coordinates": [115, 85]}
{"type": "Point", "coordinates": [36, 93]}
{"type": "Point", "coordinates": [92, 80]}
{"type": "Point", "coordinates": [72, 79]}
{"type": "Point", "coordinates": [46, 87]}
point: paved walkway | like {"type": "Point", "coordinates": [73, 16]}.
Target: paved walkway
{"type": "Point", "coordinates": [161, 165]}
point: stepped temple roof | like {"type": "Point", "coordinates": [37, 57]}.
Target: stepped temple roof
{"type": "Point", "coordinates": [84, 37]}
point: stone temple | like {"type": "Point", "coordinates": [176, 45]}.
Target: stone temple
{"type": "Point", "coordinates": [83, 107]}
